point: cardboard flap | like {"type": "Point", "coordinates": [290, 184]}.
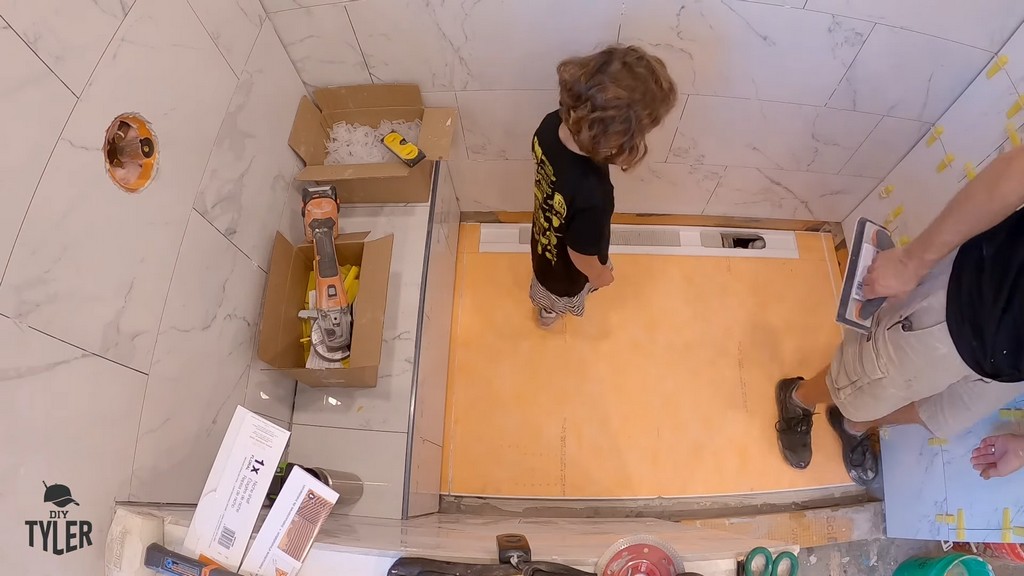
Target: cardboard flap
{"type": "Point", "coordinates": [436, 133]}
{"type": "Point", "coordinates": [352, 172]}
{"type": "Point", "coordinates": [276, 344]}
{"type": "Point", "coordinates": [368, 96]}
{"type": "Point", "coordinates": [308, 136]}
{"type": "Point", "coordinates": [351, 237]}
{"type": "Point", "coordinates": [368, 330]}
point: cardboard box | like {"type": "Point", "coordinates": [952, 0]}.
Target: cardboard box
{"type": "Point", "coordinates": [368, 105]}
{"type": "Point", "coordinates": [235, 489]}
{"type": "Point", "coordinates": [280, 330]}
{"type": "Point", "coordinates": [287, 534]}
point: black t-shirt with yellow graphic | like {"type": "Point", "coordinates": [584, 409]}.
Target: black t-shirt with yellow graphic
{"type": "Point", "coordinates": [573, 206]}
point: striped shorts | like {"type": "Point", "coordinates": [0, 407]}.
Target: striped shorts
{"type": "Point", "coordinates": [558, 305]}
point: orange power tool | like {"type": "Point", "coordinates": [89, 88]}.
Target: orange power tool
{"type": "Point", "coordinates": [332, 329]}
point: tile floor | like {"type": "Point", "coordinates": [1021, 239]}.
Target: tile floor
{"type": "Point", "coordinates": [546, 414]}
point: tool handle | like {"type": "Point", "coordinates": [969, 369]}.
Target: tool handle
{"type": "Point", "coordinates": [166, 561]}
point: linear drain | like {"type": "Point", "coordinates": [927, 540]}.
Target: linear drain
{"type": "Point", "coordinates": [627, 237]}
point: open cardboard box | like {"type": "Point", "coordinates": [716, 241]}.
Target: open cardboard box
{"type": "Point", "coordinates": [368, 105]}
{"type": "Point", "coordinates": [280, 331]}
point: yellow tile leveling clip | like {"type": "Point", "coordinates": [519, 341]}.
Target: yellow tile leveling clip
{"type": "Point", "coordinates": [947, 161]}
{"type": "Point", "coordinates": [937, 132]}
{"type": "Point", "coordinates": [1016, 107]}
{"type": "Point", "coordinates": [1000, 62]}
{"type": "Point", "coordinates": [970, 171]}
{"type": "Point", "coordinates": [406, 151]}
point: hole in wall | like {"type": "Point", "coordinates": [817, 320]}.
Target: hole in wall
{"type": "Point", "coordinates": [735, 240]}
{"type": "Point", "coordinates": [130, 152]}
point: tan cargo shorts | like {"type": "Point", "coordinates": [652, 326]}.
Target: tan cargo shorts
{"type": "Point", "coordinates": [909, 356]}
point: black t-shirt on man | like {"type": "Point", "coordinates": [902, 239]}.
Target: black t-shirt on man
{"type": "Point", "coordinates": [573, 206]}
{"type": "Point", "coordinates": [985, 301]}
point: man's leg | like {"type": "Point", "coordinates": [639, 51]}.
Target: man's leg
{"type": "Point", "coordinates": [810, 393]}
{"type": "Point", "coordinates": [904, 416]}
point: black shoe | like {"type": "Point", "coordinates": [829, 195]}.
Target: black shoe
{"type": "Point", "coordinates": [859, 454]}
{"type": "Point", "coordinates": [794, 425]}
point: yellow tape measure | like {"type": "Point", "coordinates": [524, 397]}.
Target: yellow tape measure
{"type": "Point", "coordinates": [405, 150]}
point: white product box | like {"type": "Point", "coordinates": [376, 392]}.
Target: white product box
{"type": "Point", "coordinates": [234, 491]}
{"type": "Point", "coordinates": [288, 532]}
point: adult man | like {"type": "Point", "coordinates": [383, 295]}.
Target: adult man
{"type": "Point", "coordinates": [946, 349]}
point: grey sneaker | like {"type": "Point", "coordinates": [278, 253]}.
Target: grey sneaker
{"type": "Point", "coordinates": [546, 318]}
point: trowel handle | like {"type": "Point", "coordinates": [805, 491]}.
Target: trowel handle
{"type": "Point", "coordinates": [166, 561]}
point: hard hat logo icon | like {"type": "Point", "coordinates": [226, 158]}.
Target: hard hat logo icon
{"type": "Point", "coordinates": [59, 495]}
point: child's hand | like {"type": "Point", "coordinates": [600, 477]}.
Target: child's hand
{"type": "Point", "coordinates": [998, 456]}
{"type": "Point", "coordinates": [604, 279]}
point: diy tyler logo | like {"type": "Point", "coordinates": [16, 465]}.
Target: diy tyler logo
{"type": "Point", "coordinates": [59, 535]}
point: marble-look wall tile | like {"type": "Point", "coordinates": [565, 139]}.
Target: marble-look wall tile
{"type": "Point", "coordinates": [499, 125]}
{"type": "Point", "coordinates": [907, 75]}
{"type": "Point", "coordinates": [69, 35]}
{"type": "Point", "coordinates": [781, 194]}
{"type": "Point", "coordinates": [233, 25]}
{"type": "Point", "coordinates": [887, 144]}
{"type": "Point", "coordinates": [200, 366]}
{"type": "Point", "coordinates": [34, 104]}
{"type": "Point", "coordinates": [982, 500]}
{"type": "Point", "coordinates": [424, 478]}
{"type": "Point", "coordinates": [479, 45]}
{"type": "Point", "coordinates": [746, 49]}
{"type": "Point", "coordinates": [322, 45]}
{"type": "Point", "coordinates": [70, 418]}
{"type": "Point", "coordinates": [269, 392]}
{"type": "Point", "coordinates": [734, 132]}
{"type": "Point", "coordinates": [378, 458]}
{"type": "Point", "coordinates": [653, 188]}
{"type": "Point", "coordinates": [100, 283]}
{"type": "Point", "coordinates": [448, 209]}
{"type": "Point", "coordinates": [279, 5]}
{"type": "Point", "coordinates": [915, 487]}
{"type": "Point", "coordinates": [984, 26]}
{"type": "Point", "coordinates": [385, 407]}
{"type": "Point", "coordinates": [659, 141]}
{"type": "Point", "coordinates": [498, 185]}
{"type": "Point", "coordinates": [249, 176]}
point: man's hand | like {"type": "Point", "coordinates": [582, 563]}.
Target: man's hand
{"type": "Point", "coordinates": [998, 456]}
{"type": "Point", "coordinates": [603, 279]}
{"type": "Point", "coordinates": [892, 273]}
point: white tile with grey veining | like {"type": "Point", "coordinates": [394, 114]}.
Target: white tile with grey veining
{"type": "Point", "coordinates": [915, 486]}
{"type": "Point", "coordinates": [385, 407]}
{"type": "Point", "coordinates": [249, 176]}
{"type": "Point", "coordinates": [279, 5]}
{"type": "Point", "coordinates": [457, 152]}
{"type": "Point", "coordinates": [1014, 50]}
{"type": "Point", "coordinates": [100, 280]}
{"type": "Point", "coordinates": [654, 188]}
{"type": "Point", "coordinates": [321, 44]}
{"type": "Point", "coordinates": [68, 418]}
{"type": "Point", "coordinates": [890, 140]}
{"type": "Point", "coordinates": [377, 458]}
{"type": "Point", "coordinates": [68, 35]}
{"type": "Point", "coordinates": [983, 500]}
{"type": "Point", "coordinates": [200, 366]}
{"type": "Point", "coordinates": [735, 132]}
{"type": "Point", "coordinates": [496, 185]}
{"type": "Point", "coordinates": [448, 209]}
{"type": "Point", "coordinates": [659, 141]}
{"type": "Point", "coordinates": [982, 25]}
{"type": "Point", "coordinates": [757, 192]}
{"type": "Point", "coordinates": [907, 75]}
{"type": "Point", "coordinates": [479, 45]}
{"type": "Point", "coordinates": [424, 478]}
{"type": "Point", "coordinates": [269, 392]}
{"type": "Point", "coordinates": [746, 49]}
{"type": "Point", "coordinates": [35, 106]}
{"type": "Point", "coordinates": [499, 125]}
{"type": "Point", "coordinates": [233, 25]}
{"type": "Point", "coordinates": [976, 123]}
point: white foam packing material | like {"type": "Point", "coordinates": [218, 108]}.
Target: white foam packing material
{"type": "Point", "coordinates": [357, 144]}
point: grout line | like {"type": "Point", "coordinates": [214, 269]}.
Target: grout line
{"type": "Point", "coordinates": [462, 128]}
{"type": "Point", "coordinates": [237, 247]}
{"type": "Point", "coordinates": [359, 46]}
{"type": "Point", "coordinates": [902, 29]}
{"type": "Point", "coordinates": [76, 346]}
{"type": "Point", "coordinates": [325, 3]}
{"type": "Point", "coordinates": [43, 62]}
{"type": "Point", "coordinates": [713, 190]}
{"type": "Point", "coordinates": [245, 65]}
{"type": "Point", "coordinates": [215, 45]}
{"type": "Point", "coordinates": [675, 132]}
{"type": "Point", "coordinates": [852, 62]}
{"type": "Point", "coordinates": [294, 424]}
{"type": "Point", "coordinates": [872, 131]}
